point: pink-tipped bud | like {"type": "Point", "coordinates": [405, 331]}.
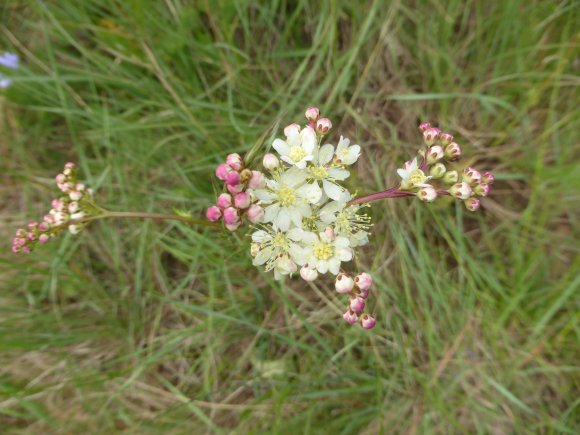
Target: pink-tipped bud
{"type": "Point", "coordinates": [20, 233]}
{"type": "Point", "coordinates": [234, 227]}
{"type": "Point", "coordinates": [43, 226]}
{"type": "Point", "coordinates": [73, 207]}
{"type": "Point", "coordinates": [308, 274]}
{"type": "Point", "coordinates": [43, 238]}
{"type": "Point", "coordinates": [431, 135]}
{"type": "Point", "coordinates": [255, 214]}
{"type": "Point", "coordinates": [363, 281]}
{"type": "Point", "coordinates": [69, 165]}
{"type": "Point", "coordinates": [235, 189]}
{"type": "Point", "coordinates": [231, 216]}
{"type": "Point", "coordinates": [291, 130]}
{"type": "Point", "coordinates": [232, 178]}
{"type": "Point", "coordinates": [427, 194]}
{"type": "Point", "coordinates": [18, 241]}
{"type": "Point", "coordinates": [472, 204]}
{"type": "Point", "coordinates": [450, 177]}
{"type": "Point", "coordinates": [323, 125]}
{"type": "Point", "coordinates": [344, 283]}
{"type": "Point", "coordinates": [75, 195]}
{"type": "Point", "coordinates": [31, 236]}
{"type": "Point", "coordinates": [213, 213]}
{"type": "Point", "coordinates": [26, 250]}
{"type": "Point", "coordinates": [74, 229]}
{"type": "Point", "coordinates": [60, 178]}
{"type": "Point", "coordinates": [482, 189]}
{"type": "Point", "coordinates": [329, 232]}
{"type": "Point", "coordinates": [487, 177]}
{"type": "Point", "coordinates": [32, 225]}
{"type": "Point", "coordinates": [80, 187]}
{"type": "Point", "coordinates": [445, 139]}
{"type": "Point", "coordinates": [460, 190]}
{"type": "Point", "coordinates": [312, 114]}
{"type": "Point", "coordinates": [257, 181]}
{"type": "Point", "coordinates": [350, 317]}
{"type": "Point", "coordinates": [437, 171]}
{"type": "Point", "coordinates": [57, 204]}
{"type": "Point", "coordinates": [242, 200]}
{"type": "Point", "coordinates": [363, 293]}
{"type": "Point", "coordinates": [452, 151]}
{"type": "Point", "coordinates": [435, 154]}
{"type": "Point", "coordinates": [471, 176]}
{"type": "Point", "coordinates": [222, 170]}
{"type": "Point", "coordinates": [424, 126]}
{"type": "Point", "coordinates": [234, 161]}
{"type": "Point", "coordinates": [357, 304]}
{"type": "Point", "coordinates": [367, 321]}
{"type": "Point", "coordinates": [224, 200]}
{"type": "Point", "coordinates": [270, 162]}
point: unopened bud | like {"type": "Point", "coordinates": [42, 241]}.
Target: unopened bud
{"type": "Point", "coordinates": [312, 114]}
{"type": "Point", "coordinates": [344, 283]}
{"type": "Point", "coordinates": [270, 162]}
{"type": "Point", "coordinates": [450, 177]}
{"type": "Point", "coordinates": [471, 176]}
{"type": "Point", "coordinates": [460, 190]}
{"type": "Point", "coordinates": [234, 226]}
{"type": "Point", "coordinates": [43, 238]}
{"type": "Point", "coordinates": [232, 178]}
{"type": "Point", "coordinates": [234, 161]}
{"type": "Point", "coordinates": [427, 194]}
{"type": "Point", "coordinates": [363, 281]}
{"type": "Point", "coordinates": [445, 139]}
{"type": "Point", "coordinates": [350, 317]}
{"type": "Point", "coordinates": [357, 304]}
{"type": "Point", "coordinates": [257, 180]}
{"type": "Point", "coordinates": [431, 135]}
{"type": "Point", "coordinates": [74, 229]}
{"type": "Point", "coordinates": [424, 126]}
{"type": "Point", "coordinates": [213, 213]}
{"type": "Point", "coordinates": [255, 213]}
{"type": "Point", "coordinates": [452, 151]}
{"type": "Point", "coordinates": [481, 189]}
{"type": "Point", "coordinates": [308, 274]}
{"type": "Point", "coordinates": [235, 189]}
{"type": "Point", "coordinates": [222, 170]}
{"type": "Point", "coordinates": [323, 125]}
{"type": "Point", "coordinates": [224, 200]}
{"type": "Point", "coordinates": [75, 195]}
{"type": "Point", "coordinates": [435, 154]}
{"type": "Point", "coordinates": [291, 130]}
{"type": "Point", "coordinates": [437, 171]}
{"type": "Point", "coordinates": [367, 321]}
{"type": "Point", "coordinates": [231, 216]}
{"type": "Point", "coordinates": [242, 200]}
{"type": "Point", "coordinates": [487, 177]}
{"type": "Point", "coordinates": [472, 204]}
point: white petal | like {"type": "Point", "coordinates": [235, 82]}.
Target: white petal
{"type": "Point", "coordinates": [281, 146]}
{"type": "Point", "coordinates": [342, 143]}
{"type": "Point", "coordinates": [338, 174]}
{"type": "Point", "coordinates": [334, 265]}
{"type": "Point", "coordinates": [262, 257]}
{"type": "Point", "coordinates": [295, 217]}
{"type": "Point", "coordinates": [311, 192]}
{"type": "Point", "coordinates": [293, 177]}
{"type": "Point", "coordinates": [345, 254]}
{"type": "Point", "coordinates": [260, 236]}
{"type": "Point", "coordinates": [271, 212]}
{"type": "Point", "coordinates": [304, 209]}
{"type": "Point", "coordinates": [282, 221]}
{"type": "Point", "coordinates": [403, 174]}
{"type": "Point", "coordinates": [322, 266]}
{"type": "Point", "coordinates": [295, 234]}
{"type": "Point", "coordinates": [332, 190]}
{"type": "Point", "coordinates": [264, 195]}
{"type": "Point", "coordinates": [341, 242]}
{"type": "Point", "coordinates": [309, 141]}
{"type": "Point", "coordinates": [352, 155]}
{"type": "Point", "coordinates": [325, 154]}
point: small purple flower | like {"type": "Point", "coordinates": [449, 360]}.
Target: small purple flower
{"type": "Point", "coordinates": [9, 60]}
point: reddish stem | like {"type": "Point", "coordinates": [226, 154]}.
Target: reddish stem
{"type": "Point", "coordinates": [393, 192]}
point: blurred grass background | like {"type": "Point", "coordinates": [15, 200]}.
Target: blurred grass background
{"type": "Point", "coordinates": [159, 328]}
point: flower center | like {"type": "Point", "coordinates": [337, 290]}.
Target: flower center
{"type": "Point", "coordinates": [280, 241]}
{"type": "Point", "coordinates": [286, 196]}
{"type": "Point", "coordinates": [417, 177]}
{"type": "Point", "coordinates": [323, 251]}
{"type": "Point", "coordinates": [319, 172]}
{"type": "Point", "coordinates": [297, 154]}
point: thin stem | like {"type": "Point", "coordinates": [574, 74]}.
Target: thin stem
{"type": "Point", "coordinates": [393, 192]}
{"type": "Point", "coordinates": [143, 215]}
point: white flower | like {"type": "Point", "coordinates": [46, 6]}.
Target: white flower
{"type": "Point", "coordinates": [289, 197]}
{"type": "Point", "coordinates": [345, 154]}
{"type": "Point", "coordinates": [412, 176]}
{"type": "Point", "coordinates": [327, 175]}
{"type": "Point", "coordinates": [277, 250]}
{"type": "Point", "coordinates": [347, 221]}
{"type": "Point", "coordinates": [298, 148]}
{"type": "Point", "coordinates": [325, 254]}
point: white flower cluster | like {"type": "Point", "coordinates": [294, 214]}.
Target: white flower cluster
{"type": "Point", "coordinates": [308, 221]}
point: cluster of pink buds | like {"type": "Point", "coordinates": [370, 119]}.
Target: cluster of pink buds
{"type": "Point", "coordinates": [67, 212]}
{"type": "Point", "coordinates": [239, 203]}
{"type": "Point", "coordinates": [320, 125]}
{"type": "Point", "coordinates": [358, 289]}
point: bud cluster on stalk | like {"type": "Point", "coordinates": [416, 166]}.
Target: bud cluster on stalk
{"type": "Point", "coordinates": [358, 290]}
{"type": "Point", "coordinates": [239, 203]}
{"type": "Point", "coordinates": [67, 212]}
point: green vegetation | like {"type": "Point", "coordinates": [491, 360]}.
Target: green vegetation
{"type": "Point", "coordinates": [163, 328]}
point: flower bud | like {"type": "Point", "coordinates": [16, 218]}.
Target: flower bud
{"type": "Point", "coordinates": [487, 177]}
{"type": "Point", "coordinates": [234, 227]}
{"type": "Point", "coordinates": [74, 229]}
{"type": "Point", "coordinates": [481, 189]}
{"type": "Point", "coordinates": [213, 213]}
{"type": "Point", "coordinates": [234, 161]}
{"type": "Point", "coordinates": [308, 274]}
{"type": "Point", "coordinates": [270, 162]}
{"type": "Point", "coordinates": [255, 213]}
{"type": "Point", "coordinates": [350, 317]}
{"type": "Point", "coordinates": [363, 281]}
{"type": "Point", "coordinates": [235, 189]}
{"type": "Point", "coordinates": [330, 233]}
{"type": "Point", "coordinates": [431, 135]}
{"type": "Point", "coordinates": [257, 180]}
{"type": "Point", "coordinates": [69, 165]}
{"type": "Point", "coordinates": [224, 200]}
{"type": "Point", "coordinates": [445, 139]}
{"type": "Point", "coordinates": [75, 195]}
{"type": "Point", "coordinates": [452, 151]}
{"type": "Point", "coordinates": [245, 175]}
{"type": "Point", "coordinates": [437, 171]}
{"type": "Point", "coordinates": [242, 200]}
{"type": "Point", "coordinates": [357, 304]}
{"type": "Point", "coordinates": [232, 178]}
{"type": "Point", "coordinates": [344, 283]}
{"type": "Point", "coordinates": [60, 217]}
{"type": "Point", "coordinates": [57, 204]}
{"type": "Point", "coordinates": [363, 293]}
{"type": "Point", "coordinates": [286, 266]}
{"type": "Point", "coordinates": [460, 190]}
{"type": "Point", "coordinates": [312, 114]}
{"type": "Point", "coordinates": [450, 177]}
{"type": "Point", "coordinates": [43, 238]}
{"type": "Point", "coordinates": [424, 126]}
{"type": "Point", "coordinates": [80, 187]}
{"type": "Point", "coordinates": [60, 178]}
{"type": "Point", "coordinates": [471, 176]}
{"type": "Point", "coordinates": [435, 154]}
{"type": "Point", "coordinates": [222, 170]}
{"type": "Point", "coordinates": [43, 226]}
{"type": "Point", "coordinates": [77, 216]}
{"type": "Point", "coordinates": [367, 321]}
{"type": "Point", "coordinates": [427, 194]}
{"type": "Point", "coordinates": [323, 125]}
{"type": "Point", "coordinates": [291, 130]}
{"type": "Point", "coordinates": [73, 207]}
{"type": "Point", "coordinates": [472, 204]}
{"type": "Point", "coordinates": [231, 216]}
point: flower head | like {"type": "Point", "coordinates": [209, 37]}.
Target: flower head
{"type": "Point", "coordinates": [298, 147]}
{"type": "Point", "coordinates": [412, 176]}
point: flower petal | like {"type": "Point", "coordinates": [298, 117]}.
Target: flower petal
{"type": "Point", "coordinates": [325, 154]}
{"type": "Point", "coordinates": [311, 192]}
{"type": "Point", "coordinates": [281, 146]}
{"type": "Point", "coordinates": [332, 190]}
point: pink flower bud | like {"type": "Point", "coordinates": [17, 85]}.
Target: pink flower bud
{"type": "Point", "coordinates": [20, 233]}
{"type": "Point", "coordinates": [435, 154]}
{"type": "Point", "coordinates": [26, 250]}
{"type": "Point", "coordinates": [323, 125]}
{"type": "Point", "coordinates": [363, 293]}
{"type": "Point", "coordinates": [242, 200]}
{"type": "Point", "coordinates": [460, 190]}
{"type": "Point", "coordinates": [77, 216]}
{"type": "Point", "coordinates": [32, 225]}
{"type": "Point", "coordinates": [270, 162]}
{"type": "Point", "coordinates": [57, 204]}
{"type": "Point", "coordinates": [60, 178]}
{"type": "Point", "coordinates": [73, 207]}
{"type": "Point", "coordinates": [472, 204]}
{"type": "Point", "coordinates": [308, 274]}
{"type": "Point", "coordinates": [482, 189]}
{"type": "Point", "coordinates": [31, 236]}
{"type": "Point", "coordinates": [234, 227]}
{"type": "Point", "coordinates": [357, 304]}
{"type": "Point", "coordinates": [427, 194]}
{"type": "Point", "coordinates": [367, 321]}
{"type": "Point", "coordinates": [255, 213]}
{"type": "Point", "coordinates": [232, 178]}
{"type": "Point", "coordinates": [452, 151]}
{"type": "Point", "coordinates": [75, 195]}
{"type": "Point", "coordinates": [43, 226]}
{"type": "Point", "coordinates": [231, 216]}
{"type": "Point", "coordinates": [330, 233]}
{"type": "Point", "coordinates": [80, 187]}
{"type": "Point", "coordinates": [257, 181]}
{"type": "Point", "coordinates": [234, 161]}
{"type": "Point", "coordinates": [450, 177]}
{"type": "Point", "coordinates": [445, 139]}
{"type": "Point", "coordinates": [431, 135]}
{"type": "Point", "coordinates": [16, 249]}
{"type": "Point", "coordinates": [471, 176]}
{"type": "Point", "coordinates": [224, 200]}
{"type": "Point", "coordinates": [19, 241]}
{"type": "Point", "coordinates": [487, 177]}
{"type": "Point", "coordinates": [424, 126]}
{"type": "Point", "coordinates": [74, 229]}
{"type": "Point", "coordinates": [363, 281]}
{"type": "Point", "coordinates": [235, 189]}
{"type": "Point", "coordinates": [350, 317]}
{"type": "Point", "coordinates": [69, 165]}
{"type": "Point", "coordinates": [312, 114]}
{"type": "Point", "coordinates": [222, 170]}
{"type": "Point", "coordinates": [291, 130]}
{"type": "Point", "coordinates": [344, 283]}
{"type": "Point", "coordinates": [213, 213]}
{"type": "Point", "coordinates": [67, 187]}
{"type": "Point", "coordinates": [43, 238]}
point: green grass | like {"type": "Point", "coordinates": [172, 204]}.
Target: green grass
{"type": "Point", "coordinates": [160, 328]}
